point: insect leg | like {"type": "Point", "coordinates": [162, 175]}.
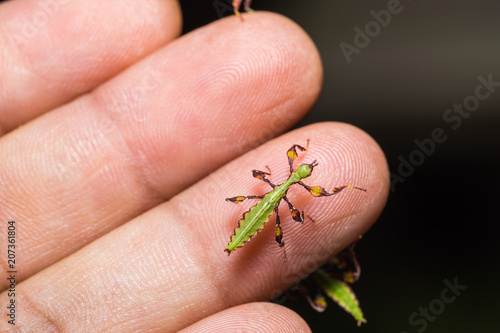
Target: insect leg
{"type": "Point", "coordinates": [318, 191]}
{"type": "Point", "coordinates": [279, 232]}
{"type": "Point", "coordinates": [261, 175]}
{"type": "Point", "coordinates": [318, 303]}
{"type": "Point", "coordinates": [236, 6]}
{"type": "Point", "coordinates": [292, 154]}
{"type": "Point", "coordinates": [296, 215]}
{"type": "Point", "coordinates": [247, 6]}
{"type": "Point", "coordinates": [344, 266]}
{"type": "Point", "coordinates": [242, 198]}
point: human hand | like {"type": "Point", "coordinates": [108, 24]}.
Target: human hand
{"type": "Point", "coordinates": [131, 139]}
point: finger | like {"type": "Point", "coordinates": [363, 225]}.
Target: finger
{"type": "Point", "coordinates": [52, 51]}
{"type": "Point", "coordinates": [89, 166]}
{"type": "Point", "coordinates": [253, 317]}
{"type": "Point", "coordinates": [166, 269]}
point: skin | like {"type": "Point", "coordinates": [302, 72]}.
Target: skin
{"type": "Point", "coordinates": [127, 149]}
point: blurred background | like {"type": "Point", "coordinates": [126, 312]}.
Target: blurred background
{"type": "Point", "coordinates": [440, 222]}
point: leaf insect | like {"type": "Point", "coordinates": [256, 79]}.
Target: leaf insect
{"type": "Point", "coordinates": [333, 279]}
{"type": "Point", "coordinates": [257, 216]}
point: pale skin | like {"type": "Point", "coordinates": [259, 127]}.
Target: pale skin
{"type": "Point", "coordinates": [120, 117]}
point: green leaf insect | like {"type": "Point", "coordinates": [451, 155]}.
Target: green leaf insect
{"type": "Point", "coordinates": [257, 216]}
{"type": "Point", "coordinates": [333, 280]}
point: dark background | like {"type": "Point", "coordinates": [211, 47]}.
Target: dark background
{"type": "Point", "coordinates": [441, 222]}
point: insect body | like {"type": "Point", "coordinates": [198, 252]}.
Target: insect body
{"type": "Point", "coordinates": [256, 217]}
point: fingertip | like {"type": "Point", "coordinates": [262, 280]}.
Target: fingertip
{"type": "Point", "coordinates": [349, 157]}
{"type": "Point", "coordinates": [290, 62]}
{"type": "Point", "coordinates": [251, 317]}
